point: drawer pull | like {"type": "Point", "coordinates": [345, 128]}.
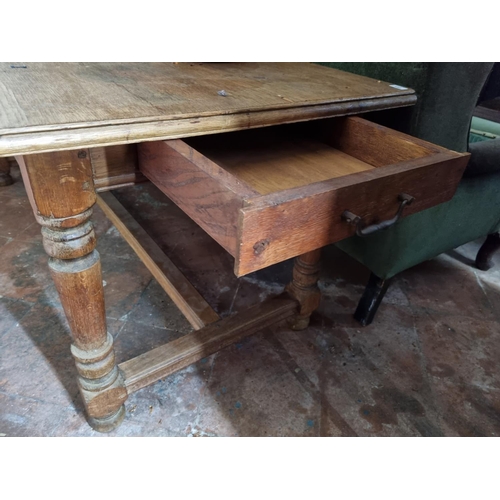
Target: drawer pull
{"type": "Point", "coordinates": [362, 230]}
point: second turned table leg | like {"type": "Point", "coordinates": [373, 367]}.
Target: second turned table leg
{"type": "Point", "coordinates": [304, 287]}
{"type": "Point", "coordinates": [61, 191]}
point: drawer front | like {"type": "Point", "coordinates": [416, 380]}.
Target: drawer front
{"type": "Point", "coordinates": [283, 225]}
{"type": "Point", "coordinates": [230, 184]}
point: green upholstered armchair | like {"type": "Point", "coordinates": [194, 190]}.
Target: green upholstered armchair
{"type": "Point", "coordinates": [447, 95]}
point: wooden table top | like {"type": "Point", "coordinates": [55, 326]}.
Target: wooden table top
{"type": "Point", "coordinates": [58, 106]}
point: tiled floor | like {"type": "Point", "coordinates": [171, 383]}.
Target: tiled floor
{"type": "Point", "coordinates": [427, 366]}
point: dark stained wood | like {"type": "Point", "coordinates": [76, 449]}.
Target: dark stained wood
{"type": "Point", "coordinates": [169, 358]}
{"type": "Point", "coordinates": [55, 106]}
{"type": "Point", "coordinates": [115, 166]}
{"type": "Point", "coordinates": [304, 288]}
{"type": "Point", "coordinates": [203, 190]}
{"type": "Point", "coordinates": [196, 310]}
{"type": "Point", "coordinates": [61, 191]}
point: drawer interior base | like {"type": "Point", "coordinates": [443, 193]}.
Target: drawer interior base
{"type": "Point", "coordinates": [274, 159]}
{"type": "Point", "coordinates": [285, 164]}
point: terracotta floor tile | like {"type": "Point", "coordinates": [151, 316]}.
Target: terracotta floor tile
{"type": "Point", "coordinates": [468, 410]}
{"type": "Point", "coordinates": [442, 286]}
{"type": "Point", "coordinates": [33, 233]}
{"type": "Point", "coordinates": [11, 312]}
{"type": "Point", "coordinates": [459, 352]}
{"type": "Point", "coordinates": [124, 282]}
{"type": "Point", "coordinates": [171, 406]}
{"type": "Point", "coordinates": [17, 215]}
{"type": "Point", "coordinates": [371, 378]}
{"type": "Point", "coordinates": [24, 273]}
{"type": "Point", "coordinates": [4, 240]}
{"type": "Point", "coordinates": [15, 190]}
{"type": "Point", "coordinates": [249, 391]}
{"type": "Point", "coordinates": [155, 308]}
{"type": "Point", "coordinates": [137, 338]}
{"type": "Point", "coordinates": [101, 223]}
{"type": "Point", "coordinates": [35, 358]}
{"type": "Point", "coordinates": [28, 417]}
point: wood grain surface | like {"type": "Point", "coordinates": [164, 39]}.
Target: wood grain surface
{"type": "Point", "coordinates": [61, 183]}
{"type": "Point", "coordinates": [372, 143]}
{"type": "Point", "coordinates": [60, 188]}
{"type": "Point", "coordinates": [55, 106]}
{"type": "Point", "coordinates": [304, 288]}
{"type": "Point", "coordinates": [281, 225]}
{"type": "Point", "coordinates": [202, 189]}
{"type": "Point", "coordinates": [286, 164]}
{"type": "Point", "coordinates": [115, 166]}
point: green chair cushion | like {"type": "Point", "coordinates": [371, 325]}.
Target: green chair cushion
{"type": "Point", "coordinates": [485, 157]}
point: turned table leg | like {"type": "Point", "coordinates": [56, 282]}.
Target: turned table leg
{"type": "Point", "coordinates": [61, 191]}
{"type": "Point", "coordinates": [304, 287]}
{"type": "Point", "coordinates": [5, 178]}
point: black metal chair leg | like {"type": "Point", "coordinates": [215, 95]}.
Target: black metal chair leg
{"type": "Point", "coordinates": [371, 299]}
{"type": "Point", "coordinates": [484, 258]}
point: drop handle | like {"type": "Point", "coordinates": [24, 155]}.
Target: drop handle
{"type": "Point", "coordinates": [362, 230]}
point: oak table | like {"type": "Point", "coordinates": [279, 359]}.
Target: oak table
{"type": "Point", "coordinates": [306, 175]}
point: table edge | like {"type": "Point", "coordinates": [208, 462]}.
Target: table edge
{"type": "Point", "coordinates": [95, 135]}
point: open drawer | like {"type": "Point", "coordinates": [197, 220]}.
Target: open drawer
{"type": "Point", "coordinates": [270, 194]}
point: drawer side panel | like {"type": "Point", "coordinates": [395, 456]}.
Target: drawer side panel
{"type": "Point", "coordinates": [374, 144]}
{"type": "Point", "coordinates": [277, 227]}
{"type": "Point", "coordinates": [206, 200]}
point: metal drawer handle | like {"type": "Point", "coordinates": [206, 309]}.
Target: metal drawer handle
{"type": "Point", "coordinates": [361, 230]}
